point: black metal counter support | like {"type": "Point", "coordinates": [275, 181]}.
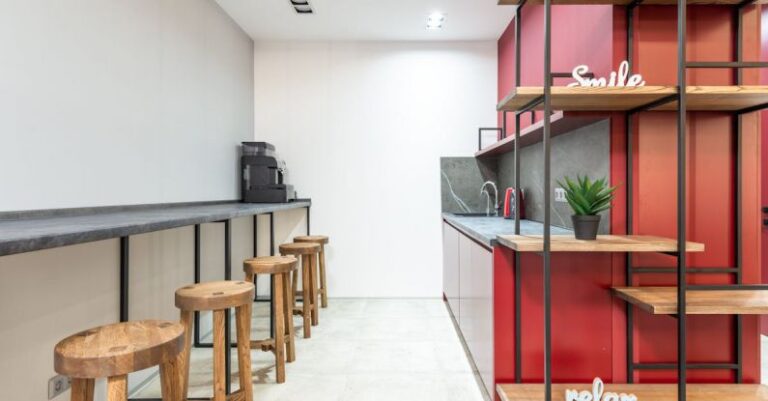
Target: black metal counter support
{"type": "Point", "coordinates": [124, 277]}
{"type": "Point", "coordinates": [125, 284]}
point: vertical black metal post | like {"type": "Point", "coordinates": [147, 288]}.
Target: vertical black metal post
{"type": "Point", "coordinates": [124, 278]}
{"type": "Point", "coordinates": [547, 200]}
{"type": "Point", "coordinates": [630, 324]}
{"type": "Point", "coordinates": [197, 280]}
{"type": "Point", "coordinates": [681, 200]}
{"type": "Point", "coordinates": [737, 198]}
{"type": "Point", "coordinates": [227, 315]}
{"type": "Point", "coordinates": [308, 215]}
{"type": "Point", "coordinates": [518, 268]}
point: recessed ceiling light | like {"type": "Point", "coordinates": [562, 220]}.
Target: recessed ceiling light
{"type": "Point", "coordinates": [301, 6]}
{"type": "Point", "coordinates": [435, 20]}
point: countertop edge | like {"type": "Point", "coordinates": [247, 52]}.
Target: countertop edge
{"type": "Point", "coordinates": [488, 242]}
{"type": "Point", "coordinates": [48, 241]}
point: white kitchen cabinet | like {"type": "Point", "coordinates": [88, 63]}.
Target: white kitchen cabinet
{"type": "Point", "coordinates": [476, 305]}
{"type": "Point", "coordinates": [468, 286]}
{"type": "Point", "coordinates": [451, 268]}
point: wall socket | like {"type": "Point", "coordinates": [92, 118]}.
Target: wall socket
{"type": "Point", "coordinates": [560, 195]}
{"type": "Point", "coordinates": [57, 385]}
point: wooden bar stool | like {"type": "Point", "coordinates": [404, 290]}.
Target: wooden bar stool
{"type": "Point", "coordinates": [114, 350]}
{"type": "Point", "coordinates": [322, 240]}
{"type": "Point", "coordinates": [219, 297]}
{"type": "Point", "coordinates": [308, 311]}
{"type": "Point", "coordinates": [282, 344]}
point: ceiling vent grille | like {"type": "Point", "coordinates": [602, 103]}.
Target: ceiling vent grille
{"type": "Point", "coordinates": [301, 6]}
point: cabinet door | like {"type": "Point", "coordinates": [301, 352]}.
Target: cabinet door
{"type": "Point", "coordinates": [451, 268]}
{"type": "Point", "coordinates": [482, 262]}
{"type": "Point", "coordinates": [476, 305]}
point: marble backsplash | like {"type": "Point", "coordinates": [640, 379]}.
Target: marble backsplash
{"type": "Point", "coordinates": [583, 151]}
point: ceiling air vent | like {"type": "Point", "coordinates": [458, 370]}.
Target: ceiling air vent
{"type": "Point", "coordinates": [301, 6]}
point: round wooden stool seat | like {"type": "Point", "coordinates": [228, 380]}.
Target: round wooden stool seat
{"type": "Point", "coordinates": [270, 265]}
{"type": "Point", "coordinates": [317, 239]}
{"type": "Point", "coordinates": [300, 248]}
{"type": "Point", "coordinates": [214, 295]}
{"type": "Point", "coordinates": [118, 349]}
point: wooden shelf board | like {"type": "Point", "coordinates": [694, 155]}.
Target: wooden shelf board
{"type": "Point", "coordinates": [663, 301]}
{"type": "Point", "coordinates": [644, 392]}
{"type": "Point", "coordinates": [560, 123]}
{"type": "Point", "coordinates": [700, 98]}
{"type": "Point", "coordinates": [603, 243]}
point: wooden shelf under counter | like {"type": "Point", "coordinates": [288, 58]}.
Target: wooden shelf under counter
{"type": "Point", "coordinates": [663, 300]}
{"type": "Point", "coordinates": [647, 392]}
{"type": "Point", "coordinates": [603, 243]}
{"type": "Point", "coordinates": [618, 98]}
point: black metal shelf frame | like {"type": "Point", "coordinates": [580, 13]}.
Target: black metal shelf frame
{"type": "Point", "coordinates": [125, 286]}
{"type": "Point", "coordinates": [681, 269]}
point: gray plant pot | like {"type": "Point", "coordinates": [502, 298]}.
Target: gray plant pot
{"type": "Point", "coordinates": [586, 226]}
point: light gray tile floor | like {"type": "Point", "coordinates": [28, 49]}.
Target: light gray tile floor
{"type": "Point", "coordinates": [363, 350]}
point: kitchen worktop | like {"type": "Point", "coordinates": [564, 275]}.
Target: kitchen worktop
{"type": "Point", "coordinates": [486, 229]}
{"type": "Point", "coordinates": [35, 230]}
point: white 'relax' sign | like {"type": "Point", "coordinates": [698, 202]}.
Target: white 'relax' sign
{"type": "Point", "coordinates": [597, 394]}
{"type": "Point", "coordinates": [620, 78]}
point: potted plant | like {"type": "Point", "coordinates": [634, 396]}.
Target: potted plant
{"type": "Point", "coordinates": [587, 198]}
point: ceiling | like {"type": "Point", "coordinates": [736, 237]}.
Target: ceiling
{"type": "Point", "coordinates": [370, 19]}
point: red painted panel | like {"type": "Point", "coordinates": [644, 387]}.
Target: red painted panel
{"type": "Point", "coordinates": [581, 317]}
{"type": "Point", "coordinates": [580, 35]}
{"type": "Point", "coordinates": [711, 184]}
{"type": "Point", "coordinates": [582, 305]}
{"type": "Point", "coordinates": [503, 315]}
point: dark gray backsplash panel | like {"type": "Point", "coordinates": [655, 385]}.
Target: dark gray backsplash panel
{"type": "Point", "coordinates": [583, 151]}
{"type": "Point", "coordinates": [465, 176]}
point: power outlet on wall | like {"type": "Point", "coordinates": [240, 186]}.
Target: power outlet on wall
{"type": "Point", "coordinates": [560, 195]}
{"type": "Point", "coordinates": [57, 385]}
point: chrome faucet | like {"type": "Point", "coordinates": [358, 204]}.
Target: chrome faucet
{"type": "Point", "coordinates": [483, 190]}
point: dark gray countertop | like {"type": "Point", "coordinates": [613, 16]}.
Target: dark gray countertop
{"type": "Point", "coordinates": [485, 229]}
{"type": "Point", "coordinates": [35, 230]}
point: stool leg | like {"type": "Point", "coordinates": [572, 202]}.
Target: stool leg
{"type": "Point", "coordinates": [323, 285]}
{"type": "Point", "coordinates": [313, 289]}
{"type": "Point", "coordinates": [243, 322]}
{"type": "Point", "coordinates": [295, 278]}
{"type": "Point", "coordinates": [169, 380]}
{"type": "Point", "coordinates": [277, 289]}
{"type": "Point", "coordinates": [117, 388]}
{"type": "Point", "coordinates": [183, 365]}
{"type": "Point", "coordinates": [306, 303]}
{"type": "Point", "coordinates": [288, 315]}
{"type": "Point", "coordinates": [219, 348]}
{"type": "Point", "coordinates": [82, 390]}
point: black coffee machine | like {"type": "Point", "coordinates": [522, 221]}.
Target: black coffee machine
{"type": "Point", "coordinates": [262, 175]}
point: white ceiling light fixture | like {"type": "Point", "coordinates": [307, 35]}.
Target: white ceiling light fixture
{"type": "Point", "coordinates": [301, 6]}
{"type": "Point", "coordinates": [435, 20]}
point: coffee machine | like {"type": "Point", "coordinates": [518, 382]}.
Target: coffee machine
{"type": "Point", "coordinates": [263, 174]}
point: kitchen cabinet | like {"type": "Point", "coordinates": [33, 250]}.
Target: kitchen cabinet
{"type": "Point", "coordinates": [468, 286]}
{"type": "Point", "coordinates": [451, 268]}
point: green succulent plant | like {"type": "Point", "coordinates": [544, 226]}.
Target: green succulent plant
{"type": "Point", "coordinates": [587, 197]}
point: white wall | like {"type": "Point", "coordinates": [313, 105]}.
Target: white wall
{"type": "Point", "coordinates": [108, 102]}
{"type": "Point", "coordinates": [362, 126]}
